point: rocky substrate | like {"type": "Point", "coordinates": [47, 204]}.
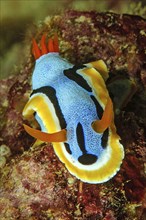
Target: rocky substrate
{"type": "Point", "coordinates": [34, 184]}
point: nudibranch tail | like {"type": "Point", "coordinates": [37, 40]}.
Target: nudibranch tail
{"type": "Point", "coordinates": [59, 136]}
{"type": "Point", "coordinates": [101, 125]}
{"type": "Point", "coordinates": [53, 46]}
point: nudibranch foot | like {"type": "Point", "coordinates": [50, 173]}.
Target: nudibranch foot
{"type": "Point", "coordinates": [59, 136]}
{"type": "Point", "coordinates": [101, 125]}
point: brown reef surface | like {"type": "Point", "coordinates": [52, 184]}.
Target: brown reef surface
{"type": "Point", "coordinates": [34, 184]}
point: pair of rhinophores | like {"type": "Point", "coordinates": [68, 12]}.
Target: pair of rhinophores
{"type": "Point", "coordinates": [73, 108]}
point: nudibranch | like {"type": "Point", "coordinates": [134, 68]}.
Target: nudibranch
{"type": "Point", "coordinates": [74, 110]}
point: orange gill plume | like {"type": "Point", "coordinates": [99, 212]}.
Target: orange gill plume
{"type": "Point", "coordinates": [53, 46]}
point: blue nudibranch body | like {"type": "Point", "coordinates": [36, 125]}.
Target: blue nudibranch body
{"type": "Point", "coordinates": [74, 110]}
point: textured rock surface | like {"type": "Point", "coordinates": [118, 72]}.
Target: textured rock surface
{"type": "Point", "coordinates": [34, 183]}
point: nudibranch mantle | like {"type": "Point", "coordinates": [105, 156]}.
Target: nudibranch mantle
{"type": "Point", "coordinates": [72, 105]}
{"type": "Point", "coordinates": [48, 69]}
